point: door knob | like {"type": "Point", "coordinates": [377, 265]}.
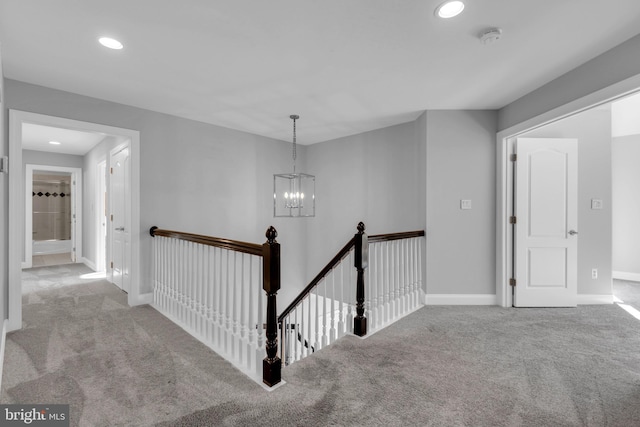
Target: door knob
{"type": "Point", "coordinates": [122, 229]}
{"type": "Point", "coordinates": [573, 232]}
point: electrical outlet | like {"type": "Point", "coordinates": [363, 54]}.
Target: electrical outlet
{"type": "Point", "coordinates": [594, 273]}
{"type": "Point", "coordinates": [465, 204]}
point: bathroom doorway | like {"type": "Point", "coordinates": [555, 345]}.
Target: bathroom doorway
{"type": "Point", "coordinates": [53, 222]}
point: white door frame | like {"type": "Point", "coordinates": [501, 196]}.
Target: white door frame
{"type": "Point", "coordinates": [16, 206]}
{"type": "Point", "coordinates": [504, 178]}
{"type": "Point", "coordinates": [76, 209]}
{"type": "Point", "coordinates": [99, 222]}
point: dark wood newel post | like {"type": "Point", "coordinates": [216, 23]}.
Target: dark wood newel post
{"type": "Point", "coordinates": [271, 365]}
{"type": "Point", "coordinates": [361, 263]}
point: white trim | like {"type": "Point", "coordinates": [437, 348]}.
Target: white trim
{"type": "Point", "coordinates": [584, 299]}
{"type": "Point", "coordinates": [76, 194]}
{"type": "Point", "coordinates": [3, 340]}
{"type": "Point", "coordinates": [144, 299]}
{"type": "Point", "coordinates": [16, 210]}
{"type": "Point", "coordinates": [461, 299]}
{"type": "Point", "coordinates": [88, 263]}
{"type": "Point", "coordinates": [623, 275]}
{"type": "Point", "coordinates": [503, 177]}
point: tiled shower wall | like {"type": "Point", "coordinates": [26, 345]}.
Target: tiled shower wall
{"type": "Point", "coordinates": [51, 207]}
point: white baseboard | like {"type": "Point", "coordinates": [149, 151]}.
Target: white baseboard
{"type": "Point", "coordinates": [88, 263]}
{"type": "Point", "coordinates": [461, 299]}
{"type": "Point", "coordinates": [584, 299]}
{"type": "Point", "coordinates": [623, 275]}
{"type": "Point", "coordinates": [144, 299]}
{"type": "Point", "coordinates": [3, 340]}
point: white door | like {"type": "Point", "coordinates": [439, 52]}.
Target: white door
{"type": "Point", "coordinates": [546, 240]}
{"type": "Point", "coordinates": [120, 234]}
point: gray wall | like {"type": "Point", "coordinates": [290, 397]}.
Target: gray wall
{"type": "Point", "coordinates": [50, 159]}
{"type": "Point", "coordinates": [4, 204]}
{"type": "Point", "coordinates": [611, 67]}
{"type": "Point", "coordinates": [193, 176]}
{"type": "Point", "coordinates": [593, 130]}
{"type": "Point", "coordinates": [626, 204]}
{"type": "Point", "coordinates": [376, 177]}
{"type": "Point", "coordinates": [461, 165]}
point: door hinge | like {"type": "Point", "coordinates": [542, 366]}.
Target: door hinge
{"type": "Point", "coordinates": [111, 171]}
{"type": "Point", "coordinates": [111, 217]}
{"type": "Point", "coordinates": [512, 282]}
{"type": "Point", "coordinates": [111, 264]}
{"type": "Point", "coordinates": [512, 220]}
{"type": "Point", "coordinates": [514, 157]}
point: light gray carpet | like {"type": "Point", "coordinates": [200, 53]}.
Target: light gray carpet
{"type": "Point", "coordinates": [441, 366]}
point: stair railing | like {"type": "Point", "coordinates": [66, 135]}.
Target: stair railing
{"type": "Point", "coordinates": [331, 306]}
{"type": "Point", "coordinates": [211, 287]}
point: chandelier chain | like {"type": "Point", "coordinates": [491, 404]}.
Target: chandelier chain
{"type": "Point", "coordinates": [294, 141]}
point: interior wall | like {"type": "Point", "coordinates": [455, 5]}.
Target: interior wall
{"type": "Point", "coordinates": [592, 128]}
{"type": "Point", "coordinates": [461, 164]}
{"type": "Point", "coordinates": [613, 66]}
{"type": "Point", "coordinates": [194, 176]}
{"type": "Point", "coordinates": [4, 202]}
{"type": "Point", "coordinates": [376, 177]}
{"type": "Point", "coordinates": [626, 206]}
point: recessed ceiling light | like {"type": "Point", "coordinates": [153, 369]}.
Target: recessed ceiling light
{"type": "Point", "coordinates": [450, 9]}
{"type": "Point", "coordinates": [54, 143]}
{"type": "Point", "coordinates": [110, 43]}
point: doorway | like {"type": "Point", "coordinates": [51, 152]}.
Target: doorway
{"type": "Point", "coordinates": [17, 122]}
{"type": "Point", "coordinates": [592, 128]}
{"type": "Point", "coordinates": [53, 230]}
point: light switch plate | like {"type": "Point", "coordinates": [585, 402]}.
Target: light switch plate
{"type": "Point", "coordinates": [596, 203]}
{"type": "Point", "coordinates": [465, 204]}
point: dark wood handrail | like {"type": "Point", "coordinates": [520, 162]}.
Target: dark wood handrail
{"type": "Point", "coordinates": [336, 259]}
{"type": "Point", "coordinates": [234, 245]}
{"type": "Point", "coordinates": [339, 256]}
{"type": "Point", "coordinates": [395, 236]}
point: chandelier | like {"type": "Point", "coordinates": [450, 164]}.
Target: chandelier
{"type": "Point", "coordinates": [294, 193]}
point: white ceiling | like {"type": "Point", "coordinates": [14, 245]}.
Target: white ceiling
{"type": "Point", "coordinates": [37, 137]}
{"type": "Point", "coordinates": [345, 66]}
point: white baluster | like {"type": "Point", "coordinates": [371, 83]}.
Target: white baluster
{"type": "Point", "coordinates": [332, 331]}
{"type": "Point", "coordinates": [224, 272]}
{"type": "Point", "coordinates": [251, 310]}
{"type": "Point", "coordinates": [243, 312]}
{"type": "Point", "coordinates": [325, 317]}
{"type": "Point", "coordinates": [373, 287]}
{"type": "Point", "coordinates": [341, 297]}
{"type": "Point", "coordinates": [370, 294]}
{"type": "Point", "coordinates": [260, 351]}
{"type": "Point", "coordinates": [304, 317]}
{"type": "Point", "coordinates": [163, 259]}
{"type": "Point", "coordinates": [403, 278]}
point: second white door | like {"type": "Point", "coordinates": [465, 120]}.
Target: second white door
{"type": "Point", "coordinates": [546, 233]}
{"type": "Point", "coordinates": [119, 227]}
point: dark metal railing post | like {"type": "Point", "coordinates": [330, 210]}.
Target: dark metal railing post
{"type": "Point", "coordinates": [361, 262]}
{"type": "Point", "coordinates": [271, 365]}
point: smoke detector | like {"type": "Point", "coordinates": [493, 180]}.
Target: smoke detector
{"type": "Point", "coordinates": [490, 35]}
